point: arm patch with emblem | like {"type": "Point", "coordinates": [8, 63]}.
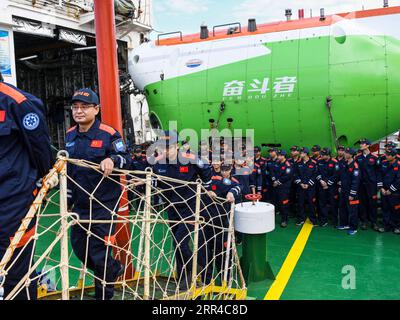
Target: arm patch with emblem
{"type": "Point", "coordinates": [119, 145]}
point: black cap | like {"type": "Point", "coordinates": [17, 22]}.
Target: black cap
{"type": "Point", "coordinates": [305, 150]}
{"type": "Point", "coordinates": [257, 149]}
{"type": "Point", "coordinates": [391, 152]}
{"type": "Point", "coordinates": [341, 148]}
{"type": "Point", "coordinates": [295, 148]}
{"type": "Point", "coordinates": [226, 167]}
{"type": "Point", "coordinates": [282, 153]}
{"type": "Point", "coordinates": [365, 141]}
{"type": "Point", "coordinates": [351, 151]}
{"type": "Point", "coordinates": [137, 149]}
{"type": "Point", "coordinates": [272, 150]}
{"type": "Point", "coordinates": [316, 147]}
{"type": "Point", "coordinates": [326, 152]}
{"type": "Point", "coordinates": [86, 95]}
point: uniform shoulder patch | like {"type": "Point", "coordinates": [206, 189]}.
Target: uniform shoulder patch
{"type": "Point", "coordinates": [17, 96]}
{"type": "Point", "coordinates": [107, 128]}
{"type": "Point", "coordinates": [334, 160]}
{"type": "Point", "coordinates": [356, 165]}
{"type": "Point", "coordinates": [119, 145]}
{"type": "Point", "coordinates": [235, 180]}
{"type": "Point", "coordinates": [71, 129]}
{"type": "Point", "coordinates": [31, 121]}
{"type": "Point", "coordinates": [216, 178]}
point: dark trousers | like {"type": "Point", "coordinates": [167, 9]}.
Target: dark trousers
{"type": "Point", "coordinates": [306, 197]}
{"type": "Point", "coordinates": [368, 202]}
{"type": "Point", "coordinates": [281, 194]}
{"type": "Point", "coordinates": [394, 202]}
{"type": "Point", "coordinates": [215, 236]}
{"type": "Point", "coordinates": [94, 252]}
{"type": "Point", "coordinates": [328, 203]}
{"type": "Point", "coordinates": [18, 271]}
{"type": "Point", "coordinates": [387, 212]}
{"type": "Point", "coordinates": [348, 211]}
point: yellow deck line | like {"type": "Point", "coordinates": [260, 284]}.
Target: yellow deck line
{"type": "Point", "coordinates": [276, 290]}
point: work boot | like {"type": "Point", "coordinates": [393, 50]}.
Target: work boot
{"type": "Point", "coordinates": [300, 223]}
{"type": "Point", "coordinates": [396, 231]}
{"type": "Point", "coordinates": [378, 228]}
{"type": "Point", "coordinates": [284, 224]}
{"type": "Point", "coordinates": [364, 226]}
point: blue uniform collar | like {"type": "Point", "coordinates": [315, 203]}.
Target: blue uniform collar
{"type": "Point", "coordinates": [91, 133]}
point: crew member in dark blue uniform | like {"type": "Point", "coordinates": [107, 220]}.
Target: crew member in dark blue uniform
{"type": "Point", "coordinates": [268, 193]}
{"type": "Point", "coordinates": [370, 182]}
{"type": "Point", "coordinates": [282, 176]}
{"type": "Point", "coordinates": [294, 160]}
{"type": "Point", "coordinates": [138, 163]}
{"type": "Point", "coordinates": [228, 187]}
{"type": "Point", "coordinates": [186, 167]}
{"type": "Point", "coordinates": [328, 177]}
{"type": "Point", "coordinates": [305, 174]}
{"type": "Point", "coordinates": [348, 187]}
{"type": "Point", "coordinates": [390, 191]}
{"type": "Point", "coordinates": [25, 157]}
{"type": "Point", "coordinates": [99, 143]}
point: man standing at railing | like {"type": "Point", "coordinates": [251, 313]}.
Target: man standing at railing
{"type": "Point", "coordinates": [181, 199]}
{"type": "Point", "coordinates": [99, 143]}
{"type": "Point", "coordinates": [25, 156]}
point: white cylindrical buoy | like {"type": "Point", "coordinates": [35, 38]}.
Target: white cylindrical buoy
{"type": "Point", "coordinates": [254, 218]}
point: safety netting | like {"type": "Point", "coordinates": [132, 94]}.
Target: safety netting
{"type": "Point", "coordinates": [152, 243]}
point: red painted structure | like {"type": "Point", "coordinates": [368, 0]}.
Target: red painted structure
{"type": "Point", "coordinates": [110, 101]}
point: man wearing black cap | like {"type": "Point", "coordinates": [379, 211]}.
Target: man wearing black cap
{"type": "Point", "coordinates": [259, 167]}
{"type": "Point", "coordinates": [25, 157]}
{"type": "Point", "coordinates": [370, 182]}
{"type": "Point", "coordinates": [315, 150]}
{"type": "Point", "coordinates": [294, 160]}
{"type": "Point", "coordinates": [268, 190]}
{"type": "Point", "coordinates": [181, 198]}
{"type": "Point", "coordinates": [388, 146]}
{"type": "Point", "coordinates": [96, 142]}
{"type": "Point", "coordinates": [328, 177]}
{"type": "Point", "coordinates": [305, 178]}
{"type": "Point", "coordinates": [228, 187]}
{"type": "Point", "coordinates": [349, 185]}
{"type": "Point", "coordinates": [390, 191]}
{"type": "Point", "coordinates": [139, 163]}
{"type": "Point", "coordinates": [282, 176]}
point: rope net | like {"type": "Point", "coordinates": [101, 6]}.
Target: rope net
{"type": "Point", "coordinates": [143, 246]}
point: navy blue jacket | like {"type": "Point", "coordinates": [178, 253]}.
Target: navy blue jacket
{"type": "Point", "coordinates": [369, 167]}
{"type": "Point", "coordinates": [329, 171]}
{"type": "Point", "coordinates": [188, 167]}
{"type": "Point", "coordinates": [221, 186]}
{"type": "Point", "coordinates": [98, 143]}
{"type": "Point", "coordinates": [305, 172]}
{"type": "Point", "coordinates": [25, 154]}
{"type": "Point", "coordinates": [283, 174]}
{"type": "Point", "coordinates": [245, 178]}
{"type": "Point", "coordinates": [390, 173]}
{"type": "Point", "coordinates": [350, 179]}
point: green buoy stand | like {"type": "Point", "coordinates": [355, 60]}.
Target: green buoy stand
{"type": "Point", "coordinates": [255, 220]}
{"type": "Point", "coordinates": [254, 263]}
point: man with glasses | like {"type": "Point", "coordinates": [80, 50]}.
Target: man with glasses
{"type": "Point", "coordinates": [97, 142]}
